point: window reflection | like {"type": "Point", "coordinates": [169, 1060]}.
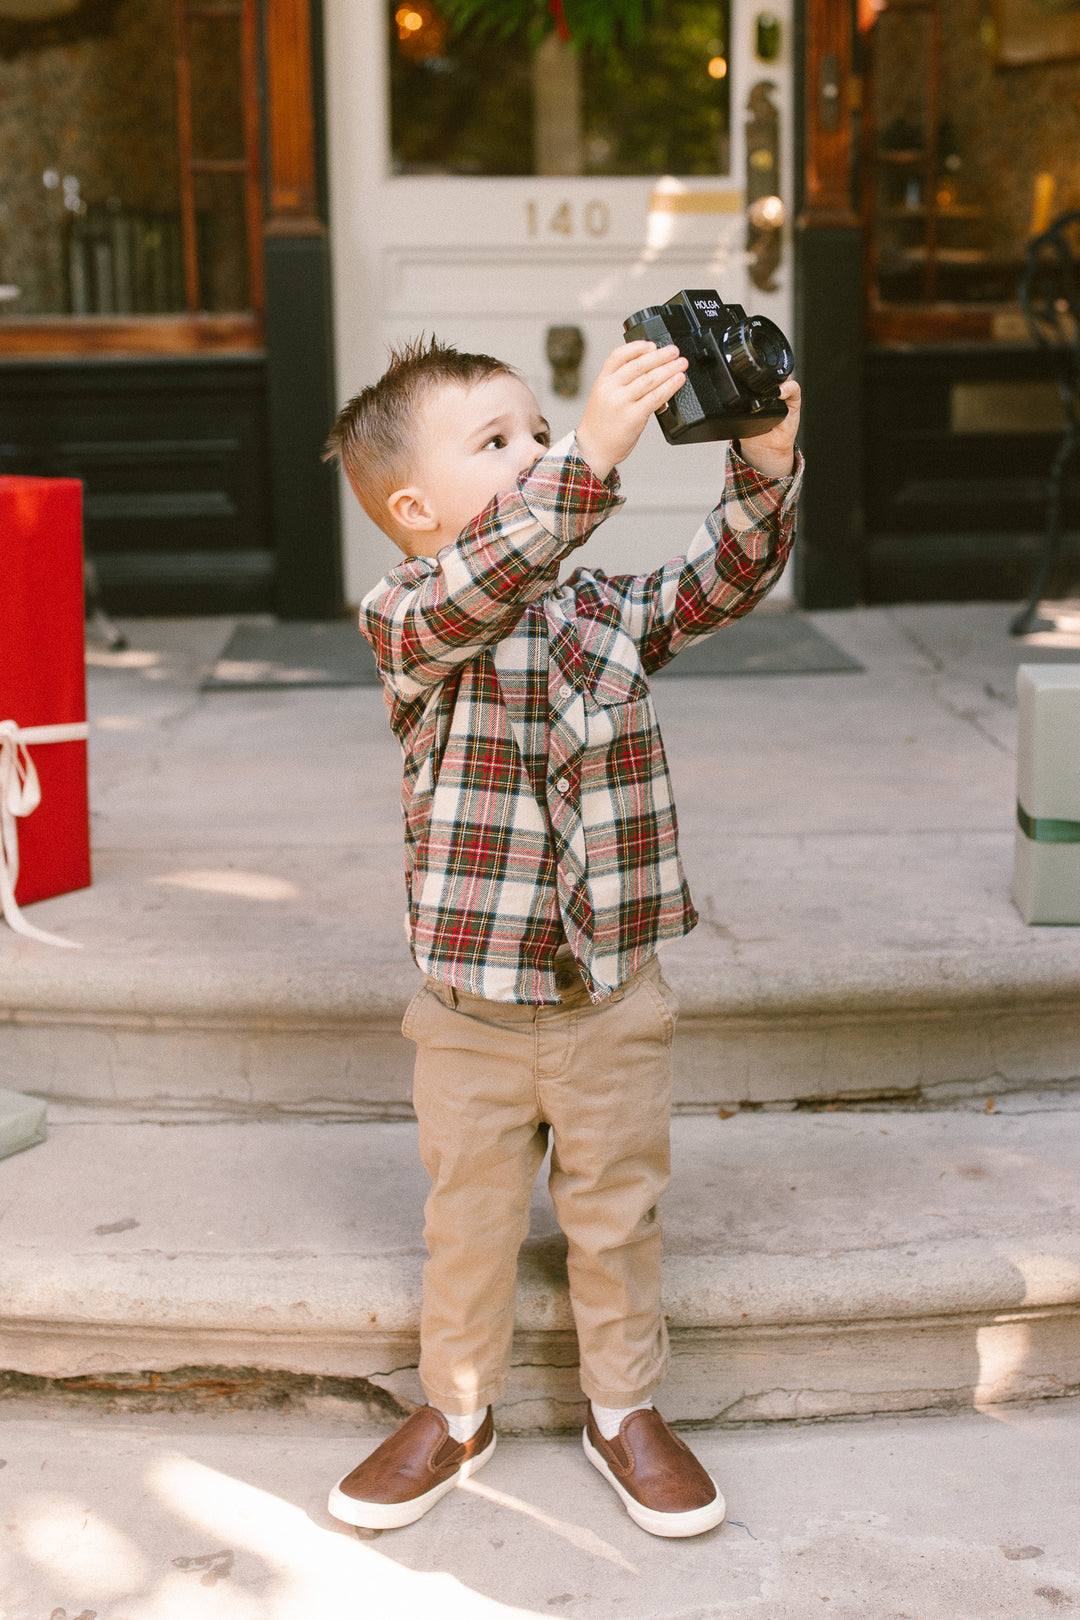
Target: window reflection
{"type": "Point", "coordinates": [468, 102]}
{"type": "Point", "coordinates": [88, 172]}
{"type": "Point", "coordinates": [92, 170]}
{"type": "Point", "coordinates": [972, 145]}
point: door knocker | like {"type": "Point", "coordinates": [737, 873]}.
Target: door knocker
{"type": "Point", "coordinates": [565, 351]}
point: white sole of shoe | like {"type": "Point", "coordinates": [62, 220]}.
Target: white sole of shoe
{"type": "Point", "coordinates": [692, 1523]}
{"type": "Point", "coordinates": [395, 1515]}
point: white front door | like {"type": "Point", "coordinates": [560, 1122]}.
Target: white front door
{"type": "Point", "coordinates": [491, 263]}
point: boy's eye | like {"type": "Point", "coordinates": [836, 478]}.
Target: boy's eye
{"type": "Point", "coordinates": [543, 437]}
{"type": "Point", "coordinates": [497, 441]}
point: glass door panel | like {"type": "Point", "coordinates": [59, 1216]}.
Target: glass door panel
{"type": "Point", "coordinates": [971, 126]}
{"type": "Point", "coordinates": [468, 102]}
{"type": "Point", "coordinates": [89, 181]}
{"type": "Point", "coordinates": [129, 173]}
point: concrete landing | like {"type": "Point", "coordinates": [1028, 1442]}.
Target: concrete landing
{"type": "Point", "coordinates": [816, 1263]}
{"type": "Point", "coordinates": [848, 839]}
{"type": "Point", "coordinates": [966, 1517]}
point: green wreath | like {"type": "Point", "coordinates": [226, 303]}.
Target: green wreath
{"type": "Point", "coordinates": [581, 22]}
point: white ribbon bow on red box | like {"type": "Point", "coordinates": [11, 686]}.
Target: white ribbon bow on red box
{"type": "Point", "coordinates": [20, 795]}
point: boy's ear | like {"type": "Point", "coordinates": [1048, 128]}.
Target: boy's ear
{"type": "Point", "coordinates": [410, 510]}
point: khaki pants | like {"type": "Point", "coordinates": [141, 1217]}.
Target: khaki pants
{"type": "Point", "coordinates": [491, 1079]}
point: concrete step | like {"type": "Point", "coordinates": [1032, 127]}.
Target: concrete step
{"type": "Point", "coordinates": [190, 993]}
{"type": "Point", "coordinates": [848, 839]}
{"type": "Point", "coordinates": [818, 1264]}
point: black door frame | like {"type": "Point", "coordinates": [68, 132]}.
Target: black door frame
{"type": "Point", "coordinates": [301, 398]}
{"type": "Point", "coordinates": [828, 303]}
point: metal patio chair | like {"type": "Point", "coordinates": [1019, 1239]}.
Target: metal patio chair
{"type": "Point", "coordinates": [1050, 300]}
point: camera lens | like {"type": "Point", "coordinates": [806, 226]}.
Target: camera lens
{"type": "Point", "coordinates": [758, 353]}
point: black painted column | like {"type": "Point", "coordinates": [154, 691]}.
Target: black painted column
{"type": "Point", "coordinates": [828, 309]}
{"type": "Point", "coordinates": [299, 320]}
{"type": "Point", "coordinates": [301, 403]}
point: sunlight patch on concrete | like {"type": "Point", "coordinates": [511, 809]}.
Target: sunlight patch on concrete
{"type": "Point", "coordinates": [122, 722]}
{"type": "Point", "coordinates": [1002, 1348]}
{"type": "Point", "coordinates": [241, 885]}
{"type": "Point", "coordinates": [318, 1572]}
{"type": "Point", "coordinates": [79, 1549]}
{"type": "Point", "coordinates": [1049, 1279]}
{"type": "Point", "coordinates": [121, 658]}
{"type": "Point", "coordinates": [586, 1541]}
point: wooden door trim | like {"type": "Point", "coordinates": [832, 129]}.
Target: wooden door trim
{"type": "Point", "coordinates": [829, 32]}
{"type": "Point", "coordinates": [292, 184]}
{"type": "Point", "coordinates": [85, 336]}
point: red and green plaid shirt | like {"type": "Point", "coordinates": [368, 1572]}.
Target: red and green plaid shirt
{"type": "Point", "coordinates": [536, 794]}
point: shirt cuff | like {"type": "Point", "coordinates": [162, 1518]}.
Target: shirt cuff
{"type": "Point", "coordinates": [565, 496]}
{"type": "Point", "coordinates": [751, 497]}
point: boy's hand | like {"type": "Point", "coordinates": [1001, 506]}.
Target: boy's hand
{"type": "Point", "coordinates": [774, 452]}
{"type": "Point", "coordinates": [635, 380]}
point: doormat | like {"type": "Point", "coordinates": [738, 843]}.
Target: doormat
{"type": "Point", "coordinates": [293, 653]}
{"type": "Point", "coordinates": [769, 643]}
{"type": "Point", "coordinates": [300, 654]}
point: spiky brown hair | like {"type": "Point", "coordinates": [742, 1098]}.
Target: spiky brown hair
{"type": "Point", "coordinates": [373, 433]}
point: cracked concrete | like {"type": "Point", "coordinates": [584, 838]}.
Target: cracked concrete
{"type": "Point", "coordinates": [967, 1517]}
{"type": "Point", "coordinates": [816, 1263]}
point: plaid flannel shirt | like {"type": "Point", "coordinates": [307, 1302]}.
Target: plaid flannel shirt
{"type": "Point", "coordinates": [536, 795]}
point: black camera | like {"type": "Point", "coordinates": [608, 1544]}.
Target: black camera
{"type": "Point", "coordinates": [737, 363]}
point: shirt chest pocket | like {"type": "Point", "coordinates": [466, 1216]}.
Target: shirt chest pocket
{"type": "Point", "coordinates": [611, 665]}
{"type": "Point", "coordinates": [616, 692]}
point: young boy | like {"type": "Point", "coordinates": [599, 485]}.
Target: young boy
{"type": "Point", "coordinates": [542, 872]}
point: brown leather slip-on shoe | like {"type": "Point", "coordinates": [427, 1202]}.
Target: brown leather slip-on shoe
{"type": "Point", "coordinates": [408, 1473]}
{"type": "Point", "coordinates": [663, 1486]}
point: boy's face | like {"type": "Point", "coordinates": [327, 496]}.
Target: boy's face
{"type": "Point", "coordinates": [471, 443]}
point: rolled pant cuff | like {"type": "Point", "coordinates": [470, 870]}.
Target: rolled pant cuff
{"type": "Point", "coordinates": [622, 1398]}
{"type": "Point", "coordinates": [465, 1405]}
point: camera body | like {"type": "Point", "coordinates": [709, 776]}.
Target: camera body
{"type": "Point", "coordinates": [737, 363]}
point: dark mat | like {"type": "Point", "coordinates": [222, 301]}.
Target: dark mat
{"type": "Point", "coordinates": [301, 654]}
{"type": "Point", "coordinates": [294, 653]}
{"type": "Point", "coordinates": [764, 643]}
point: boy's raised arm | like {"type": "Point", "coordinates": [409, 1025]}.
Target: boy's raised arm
{"type": "Point", "coordinates": [430, 615]}
{"type": "Point", "coordinates": [736, 557]}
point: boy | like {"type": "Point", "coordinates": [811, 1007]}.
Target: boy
{"type": "Point", "coordinates": [542, 871]}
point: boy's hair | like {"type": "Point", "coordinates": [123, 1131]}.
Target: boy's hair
{"type": "Point", "coordinates": [373, 433]}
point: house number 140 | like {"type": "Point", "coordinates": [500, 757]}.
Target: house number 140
{"type": "Point", "coordinates": [594, 219]}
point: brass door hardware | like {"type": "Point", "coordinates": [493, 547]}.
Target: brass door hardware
{"type": "Point", "coordinates": [565, 351]}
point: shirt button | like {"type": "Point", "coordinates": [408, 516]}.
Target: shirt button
{"type": "Point", "coordinates": [563, 784]}
{"type": "Point", "coordinates": [565, 691]}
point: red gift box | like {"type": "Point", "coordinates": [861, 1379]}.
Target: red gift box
{"type": "Point", "coordinates": [43, 674]}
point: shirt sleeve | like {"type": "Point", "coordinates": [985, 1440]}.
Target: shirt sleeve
{"type": "Point", "coordinates": [736, 557]}
{"type": "Point", "coordinates": [431, 615]}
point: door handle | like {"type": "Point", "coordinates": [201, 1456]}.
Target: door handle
{"type": "Point", "coordinates": [829, 92]}
{"type": "Point", "coordinates": [565, 351]}
{"type": "Point", "coordinates": [765, 210]}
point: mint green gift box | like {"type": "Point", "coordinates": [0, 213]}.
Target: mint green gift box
{"type": "Point", "coordinates": [22, 1122]}
{"type": "Point", "coordinates": [1046, 871]}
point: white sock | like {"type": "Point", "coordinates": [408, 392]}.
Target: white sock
{"type": "Point", "coordinates": [608, 1419]}
{"type": "Point", "coordinates": [463, 1428]}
